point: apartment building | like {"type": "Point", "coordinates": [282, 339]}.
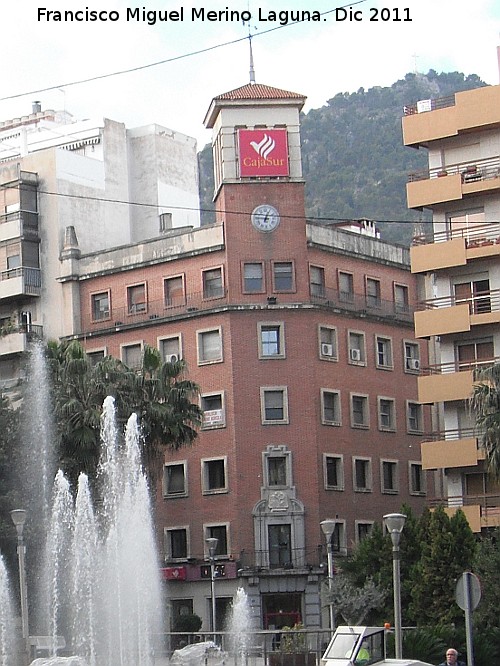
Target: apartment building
{"type": "Point", "coordinates": [460, 271]}
{"type": "Point", "coordinates": [300, 336]}
{"type": "Point", "coordinates": [61, 179]}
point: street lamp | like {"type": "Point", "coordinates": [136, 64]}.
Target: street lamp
{"type": "Point", "coordinates": [328, 527]}
{"type": "Point", "coordinates": [212, 547]}
{"type": "Point", "coordinates": [394, 523]}
{"type": "Point", "coordinates": [19, 518]}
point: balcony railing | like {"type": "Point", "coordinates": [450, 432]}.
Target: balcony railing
{"type": "Point", "coordinates": [453, 434]}
{"type": "Point", "coordinates": [488, 502]}
{"type": "Point", "coordinates": [429, 105]}
{"type": "Point", "coordinates": [458, 366]}
{"type": "Point", "coordinates": [32, 278]}
{"type": "Point", "coordinates": [475, 235]}
{"type": "Point", "coordinates": [469, 171]}
{"type": "Point", "coordinates": [197, 302]}
{"type": "Point", "coordinates": [28, 222]}
{"type": "Point", "coordinates": [479, 303]}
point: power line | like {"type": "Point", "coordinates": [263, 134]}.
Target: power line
{"type": "Point", "coordinates": [169, 60]}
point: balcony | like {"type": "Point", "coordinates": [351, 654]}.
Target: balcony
{"type": "Point", "coordinates": [453, 182]}
{"type": "Point", "coordinates": [481, 511]}
{"type": "Point", "coordinates": [194, 304]}
{"type": "Point", "coordinates": [451, 449]}
{"type": "Point", "coordinates": [431, 120]}
{"type": "Point", "coordinates": [17, 340]}
{"type": "Point", "coordinates": [20, 224]}
{"type": "Point", "coordinates": [20, 281]}
{"type": "Point", "coordinates": [449, 381]}
{"type": "Point", "coordinates": [448, 314]}
{"type": "Point", "coordinates": [455, 246]}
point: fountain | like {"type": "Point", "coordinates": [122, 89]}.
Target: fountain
{"type": "Point", "coordinates": [6, 618]}
{"type": "Point", "coordinates": [100, 592]}
{"type": "Point", "coordinates": [239, 627]}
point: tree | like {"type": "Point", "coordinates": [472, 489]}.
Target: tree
{"type": "Point", "coordinates": [8, 481]}
{"type": "Point", "coordinates": [159, 393]}
{"type": "Point", "coordinates": [487, 566]}
{"type": "Point", "coordinates": [448, 547]}
{"type": "Point", "coordinates": [353, 603]}
{"type": "Point", "coordinates": [485, 405]}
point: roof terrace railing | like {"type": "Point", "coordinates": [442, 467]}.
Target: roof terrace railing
{"type": "Point", "coordinates": [425, 105]}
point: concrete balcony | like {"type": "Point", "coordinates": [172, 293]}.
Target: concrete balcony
{"type": "Point", "coordinates": [452, 449]}
{"type": "Point", "coordinates": [20, 224]}
{"type": "Point", "coordinates": [18, 340]}
{"type": "Point", "coordinates": [20, 281]}
{"type": "Point", "coordinates": [431, 120]}
{"type": "Point", "coordinates": [481, 511]}
{"type": "Point", "coordinates": [453, 182]}
{"type": "Point", "coordinates": [447, 314]}
{"type": "Point", "coordinates": [456, 246]}
{"type": "Point", "coordinates": [445, 387]}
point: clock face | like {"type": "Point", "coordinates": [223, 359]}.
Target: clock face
{"type": "Point", "coordinates": [265, 218]}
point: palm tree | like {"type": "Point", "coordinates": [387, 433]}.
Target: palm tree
{"type": "Point", "coordinates": [485, 405]}
{"type": "Point", "coordinates": [159, 394]}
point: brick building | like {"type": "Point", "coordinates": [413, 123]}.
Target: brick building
{"type": "Point", "coordinates": [300, 336]}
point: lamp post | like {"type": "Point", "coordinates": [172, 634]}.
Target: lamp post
{"type": "Point", "coordinates": [394, 523]}
{"type": "Point", "coordinates": [19, 518]}
{"type": "Point", "coordinates": [328, 527]}
{"type": "Point", "coordinates": [212, 547]}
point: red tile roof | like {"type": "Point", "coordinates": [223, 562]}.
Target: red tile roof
{"type": "Point", "coordinates": [258, 91]}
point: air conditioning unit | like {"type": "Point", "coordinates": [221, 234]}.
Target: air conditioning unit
{"type": "Point", "coordinates": [413, 364]}
{"type": "Point", "coordinates": [355, 355]}
{"type": "Point", "coordinates": [326, 349]}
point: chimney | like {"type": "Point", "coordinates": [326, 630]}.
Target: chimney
{"type": "Point", "coordinates": [36, 107]}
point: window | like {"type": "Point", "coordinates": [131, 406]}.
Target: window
{"type": "Point", "coordinates": [100, 306]}
{"type": "Point", "coordinates": [276, 470]}
{"type": "Point", "coordinates": [219, 532]}
{"type": "Point", "coordinates": [176, 543]}
{"type": "Point", "coordinates": [280, 545]}
{"type": "Point", "coordinates": [212, 405]}
{"type": "Point", "coordinates": [173, 291]}
{"type": "Point", "coordinates": [386, 414]}
{"type": "Point", "coordinates": [401, 298]}
{"type": "Point", "coordinates": [212, 283]}
{"type": "Point", "coordinates": [180, 607]}
{"type": "Point", "coordinates": [473, 352]}
{"type": "Point", "coordinates": [363, 529]}
{"type": "Point", "coordinates": [362, 474]}
{"type": "Point", "coordinates": [475, 292]}
{"type": "Point", "coordinates": [96, 356]}
{"type": "Point", "coordinates": [389, 476]}
{"type": "Point", "coordinates": [383, 352]}
{"type": "Point", "coordinates": [334, 472]}
{"type": "Point", "coordinates": [414, 417]}
{"type": "Point", "coordinates": [253, 278]}
{"type": "Point", "coordinates": [346, 287]}
{"type": "Point", "coordinates": [136, 298]}
{"type": "Point", "coordinates": [170, 349]}
{"type": "Point", "coordinates": [13, 261]}
{"type": "Point", "coordinates": [373, 299]}
{"type": "Point", "coordinates": [356, 344]}
{"type": "Point", "coordinates": [283, 276]}
{"type": "Point", "coordinates": [467, 220]}
{"type": "Point", "coordinates": [338, 539]}
{"type": "Point", "coordinates": [417, 478]}
{"type": "Point", "coordinates": [132, 356]}
{"type": "Point", "coordinates": [327, 343]}
{"type": "Point", "coordinates": [214, 475]}
{"type": "Point", "coordinates": [277, 466]}
{"type": "Point", "coordinates": [174, 480]}
{"type": "Point", "coordinates": [271, 340]}
{"type": "Point", "coordinates": [274, 404]}
{"type": "Point", "coordinates": [209, 346]}
{"type": "Point", "coordinates": [360, 417]}
{"type": "Point", "coordinates": [317, 281]}
{"type": "Point", "coordinates": [412, 357]}
{"type": "Point", "coordinates": [330, 407]}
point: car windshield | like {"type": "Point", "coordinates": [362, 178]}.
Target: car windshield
{"type": "Point", "coordinates": [342, 646]}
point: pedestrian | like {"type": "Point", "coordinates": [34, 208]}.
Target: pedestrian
{"type": "Point", "coordinates": [452, 658]}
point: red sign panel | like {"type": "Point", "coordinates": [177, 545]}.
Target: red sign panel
{"type": "Point", "coordinates": [263, 152]}
{"type": "Point", "coordinates": [174, 573]}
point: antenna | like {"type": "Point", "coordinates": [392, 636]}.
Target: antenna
{"type": "Point", "coordinates": [252, 69]}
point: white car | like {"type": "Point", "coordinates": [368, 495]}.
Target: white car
{"type": "Point", "coordinates": [361, 646]}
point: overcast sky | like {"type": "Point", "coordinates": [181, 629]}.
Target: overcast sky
{"type": "Point", "coordinates": [314, 58]}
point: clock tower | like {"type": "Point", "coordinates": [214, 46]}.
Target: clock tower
{"type": "Point", "coordinates": [259, 188]}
